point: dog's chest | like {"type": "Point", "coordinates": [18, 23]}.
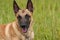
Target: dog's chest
{"type": "Point", "coordinates": [29, 36]}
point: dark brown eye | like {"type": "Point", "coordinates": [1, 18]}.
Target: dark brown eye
{"type": "Point", "coordinates": [19, 17]}
{"type": "Point", "coordinates": [27, 16]}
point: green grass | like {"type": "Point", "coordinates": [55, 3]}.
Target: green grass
{"type": "Point", "coordinates": [46, 17]}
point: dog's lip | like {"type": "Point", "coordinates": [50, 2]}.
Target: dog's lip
{"type": "Point", "coordinates": [24, 30]}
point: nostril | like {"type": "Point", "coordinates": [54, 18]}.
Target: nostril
{"type": "Point", "coordinates": [23, 26]}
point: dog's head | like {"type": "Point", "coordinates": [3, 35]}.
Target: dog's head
{"type": "Point", "coordinates": [24, 17]}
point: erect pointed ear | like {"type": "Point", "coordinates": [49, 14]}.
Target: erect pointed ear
{"type": "Point", "coordinates": [15, 7]}
{"type": "Point", "coordinates": [29, 6]}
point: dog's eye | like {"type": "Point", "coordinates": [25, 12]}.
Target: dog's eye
{"type": "Point", "coordinates": [19, 17]}
{"type": "Point", "coordinates": [27, 16]}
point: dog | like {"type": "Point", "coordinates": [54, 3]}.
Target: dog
{"type": "Point", "coordinates": [21, 28]}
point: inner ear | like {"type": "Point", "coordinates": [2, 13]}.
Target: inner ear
{"type": "Point", "coordinates": [29, 6]}
{"type": "Point", "coordinates": [15, 7]}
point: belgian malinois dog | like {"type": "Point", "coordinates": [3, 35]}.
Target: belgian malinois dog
{"type": "Point", "coordinates": [21, 28]}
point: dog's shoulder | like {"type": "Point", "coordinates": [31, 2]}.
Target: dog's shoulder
{"type": "Point", "coordinates": [2, 28]}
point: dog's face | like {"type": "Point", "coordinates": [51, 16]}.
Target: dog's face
{"type": "Point", "coordinates": [24, 17]}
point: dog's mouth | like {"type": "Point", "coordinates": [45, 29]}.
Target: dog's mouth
{"type": "Point", "coordinates": [24, 29]}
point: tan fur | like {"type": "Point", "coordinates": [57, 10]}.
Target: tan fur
{"type": "Point", "coordinates": [12, 31]}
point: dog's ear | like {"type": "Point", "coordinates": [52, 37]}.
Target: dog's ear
{"type": "Point", "coordinates": [15, 7]}
{"type": "Point", "coordinates": [29, 6]}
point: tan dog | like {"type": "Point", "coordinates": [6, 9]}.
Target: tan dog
{"type": "Point", "coordinates": [21, 29]}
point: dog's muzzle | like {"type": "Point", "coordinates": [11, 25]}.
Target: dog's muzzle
{"type": "Point", "coordinates": [24, 27]}
{"type": "Point", "coordinates": [24, 24]}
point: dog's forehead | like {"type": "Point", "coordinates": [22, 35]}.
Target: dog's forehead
{"type": "Point", "coordinates": [24, 12]}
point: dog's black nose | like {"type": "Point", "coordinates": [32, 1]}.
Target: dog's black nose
{"type": "Point", "coordinates": [23, 25]}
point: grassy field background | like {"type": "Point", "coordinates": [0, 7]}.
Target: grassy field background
{"type": "Point", "coordinates": [46, 17]}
